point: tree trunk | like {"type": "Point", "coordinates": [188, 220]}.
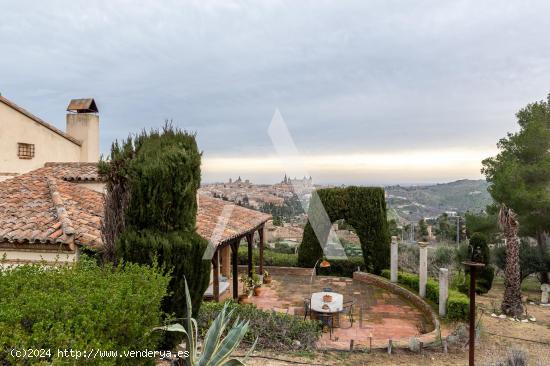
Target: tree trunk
{"type": "Point", "coordinates": [511, 304]}
{"type": "Point", "coordinates": [541, 242]}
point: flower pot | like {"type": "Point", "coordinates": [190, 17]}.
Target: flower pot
{"type": "Point", "coordinates": [327, 298]}
{"type": "Point", "coordinates": [258, 291]}
{"type": "Point", "coordinates": [244, 299]}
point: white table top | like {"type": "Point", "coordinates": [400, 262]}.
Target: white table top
{"type": "Point", "coordinates": [334, 306]}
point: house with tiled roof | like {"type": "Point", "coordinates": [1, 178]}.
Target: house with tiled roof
{"type": "Point", "coordinates": [28, 141]}
{"type": "Point", "coordinates": [49, 213]}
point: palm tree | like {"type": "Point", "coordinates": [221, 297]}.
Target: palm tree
{"type": "Point", "coordinates": [511, 303]}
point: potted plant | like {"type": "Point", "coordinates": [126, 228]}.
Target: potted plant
{"type": "Point", "coordinates": [248, 288]}
{"type": "Point", "coordinates": [267, 278]}
{"type": "Point", "coordinates": [257, 284]}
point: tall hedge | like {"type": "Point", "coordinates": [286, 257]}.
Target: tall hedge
{"type": "Point", "coordinates": [180, 253]}
{"type": "Point", "coordinates": [159, 172]}
{"type": "Point", "coordinates": [364, 208]}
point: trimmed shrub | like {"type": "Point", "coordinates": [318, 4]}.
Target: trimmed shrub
{"type": "Point", "coordinates": [342, 267]}
{"type": "Point", "coordinates": [457, 303]}
{"type": "Point", "coordinates": [160, 171]}
{"type": "Point", "coordinates": [482, 253]}
{"type": "Point", "coordinates": [364, 208]}
{"type": "Point", "coordinates": [458, 306]}
{"type": "Point", "coordinates": [180, 253]}
{"type": "Point", "coordinates": [338, 267]}
{"type": "Point", "coordinates": [80, 307]}
{"type": "Point", "coordinates": [271, 258]}
{"type": "Point", "coordinates": [479, 252]}
{"type": "Point", "coordinates": [164, 177]}
{"type": "Point", "coordinates": [281, 247]}
{"type": "Point", "coordinates": [158, 174]}
{"type": "Point", "coordinates": [274, 330]}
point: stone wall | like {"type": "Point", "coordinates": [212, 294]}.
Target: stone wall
{"type": "Point", "coordinates": [402, 292]}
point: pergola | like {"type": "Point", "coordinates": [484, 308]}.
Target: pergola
{"type": "Point", "coordinates": [225, 225]}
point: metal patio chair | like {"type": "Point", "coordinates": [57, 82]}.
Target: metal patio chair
{"type": "Point", "coordinates": [347, 309]}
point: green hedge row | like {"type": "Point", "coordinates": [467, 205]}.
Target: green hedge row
{"type": "Point", "coordinates": [80, 307]}
{"type": "Point", "coordinates": [271, 258]}
{"type": "Point", "coordinates": [457, 303]}
{"type": "Point", "coordinates": [274, 330]}
{"type": "Point", "coordinates": [342, 268]}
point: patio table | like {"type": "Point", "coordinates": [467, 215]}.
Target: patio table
{"type": "Point", "coordinates": [335, 306]}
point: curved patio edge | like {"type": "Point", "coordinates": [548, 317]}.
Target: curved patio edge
{"type": "Point", "coordinates": [413, 298]}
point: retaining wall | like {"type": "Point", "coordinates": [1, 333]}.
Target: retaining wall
{"type": "Point", "coordinates": [402, 292]}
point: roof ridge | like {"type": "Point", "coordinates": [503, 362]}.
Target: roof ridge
{"type": "Point", "coordinates": [40, 121]}
{"type": "Point", "coordinates": [62, 215]}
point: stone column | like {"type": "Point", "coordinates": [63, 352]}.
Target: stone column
{"type": "Point", "coordinates": [544, 294]}
{"type": "Point", "coordinates": [443, 290]}
{"type": "Point", "coordinates": [423, 269]}
{"type": "Point", "coordinates": [393, 264]}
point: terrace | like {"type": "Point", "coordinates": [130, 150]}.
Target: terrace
{"type": "Point", "coordinates": [379, 315]}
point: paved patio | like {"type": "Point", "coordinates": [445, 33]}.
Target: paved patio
{"type": "Point", "coordinates": [378, 314]}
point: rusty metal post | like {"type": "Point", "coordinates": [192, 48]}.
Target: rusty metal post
{"type": "Point", "coordinates": [472, 341]}
{"type": "Point", "coordinates": [471, 361]}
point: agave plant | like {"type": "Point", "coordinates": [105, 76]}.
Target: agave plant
{"type": "Point", "coordinates": [216, 351]}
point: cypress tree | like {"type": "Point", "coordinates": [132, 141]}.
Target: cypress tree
{"type": "Point", "coordinates": [159, 172]}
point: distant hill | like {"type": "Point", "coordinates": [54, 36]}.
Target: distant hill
{"type": "Point", "coordinates": [410, 203]}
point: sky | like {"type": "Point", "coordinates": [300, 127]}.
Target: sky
{"type": "Point", "coordinates": [372, 92]}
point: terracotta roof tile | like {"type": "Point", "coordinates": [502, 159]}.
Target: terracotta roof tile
{"type": "Point", "coordinates": [72, 171]}
{"type": "Point", "coordinates": [238, 220]}
{"type": "Point", "coordinates": [38, 208]}
{"type": "Point", "coordinates": [42, 207]}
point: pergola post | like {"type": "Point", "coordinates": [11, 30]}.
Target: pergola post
{"type": "Point", "coordinates": [250, 240]}
{"type": "Point", "coordinates": [216, 279]}
{"type": "Point", "coordinates": [235, 267]}
{"type": "Point", "coordinates": [225, 259]}
{"type": "Point", "coordinates": [261, 232]}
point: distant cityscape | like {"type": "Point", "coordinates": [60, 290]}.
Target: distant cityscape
{"type": "Point", "coordinates": [407, 206]}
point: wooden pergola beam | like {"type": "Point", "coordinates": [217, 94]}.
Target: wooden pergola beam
{"type": "Point", "coordinates": [216, 279]}
{"type": "Point", "coordinates": [235, 267]}
{"type": "Point", "coordinates": [261, 232]}
{"type": "Point", "coordinates": [250, 241]}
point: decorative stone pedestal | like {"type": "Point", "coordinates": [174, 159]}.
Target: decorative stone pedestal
{"type": "Point", "coordinates": [394, 259]}
{"type": "Point", "coordinates": [443, 290]}
{"type": "Point", "coordinates": [545, 288]}
{"type": "Point", "coordinates": [423, 269]}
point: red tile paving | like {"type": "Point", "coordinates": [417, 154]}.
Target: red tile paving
{"type": "Point", "coordinates": [378, 313]}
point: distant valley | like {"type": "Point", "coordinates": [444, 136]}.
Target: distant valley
{"type": "Point", "coordinates": [411, 203]}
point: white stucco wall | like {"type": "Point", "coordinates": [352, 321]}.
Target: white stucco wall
{"type": "Point", "coordinates": [85, 127]}
{"type": "Point", "coordinates": [33, 256]}
{"type": "Point", "coordinates": [49, 146]}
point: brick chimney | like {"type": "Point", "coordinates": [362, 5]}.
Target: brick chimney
{"type": "Point", "coordinates": [83, 124]}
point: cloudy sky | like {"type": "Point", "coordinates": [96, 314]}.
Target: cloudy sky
{"type": "Point", "coordinates": [372, 92]}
